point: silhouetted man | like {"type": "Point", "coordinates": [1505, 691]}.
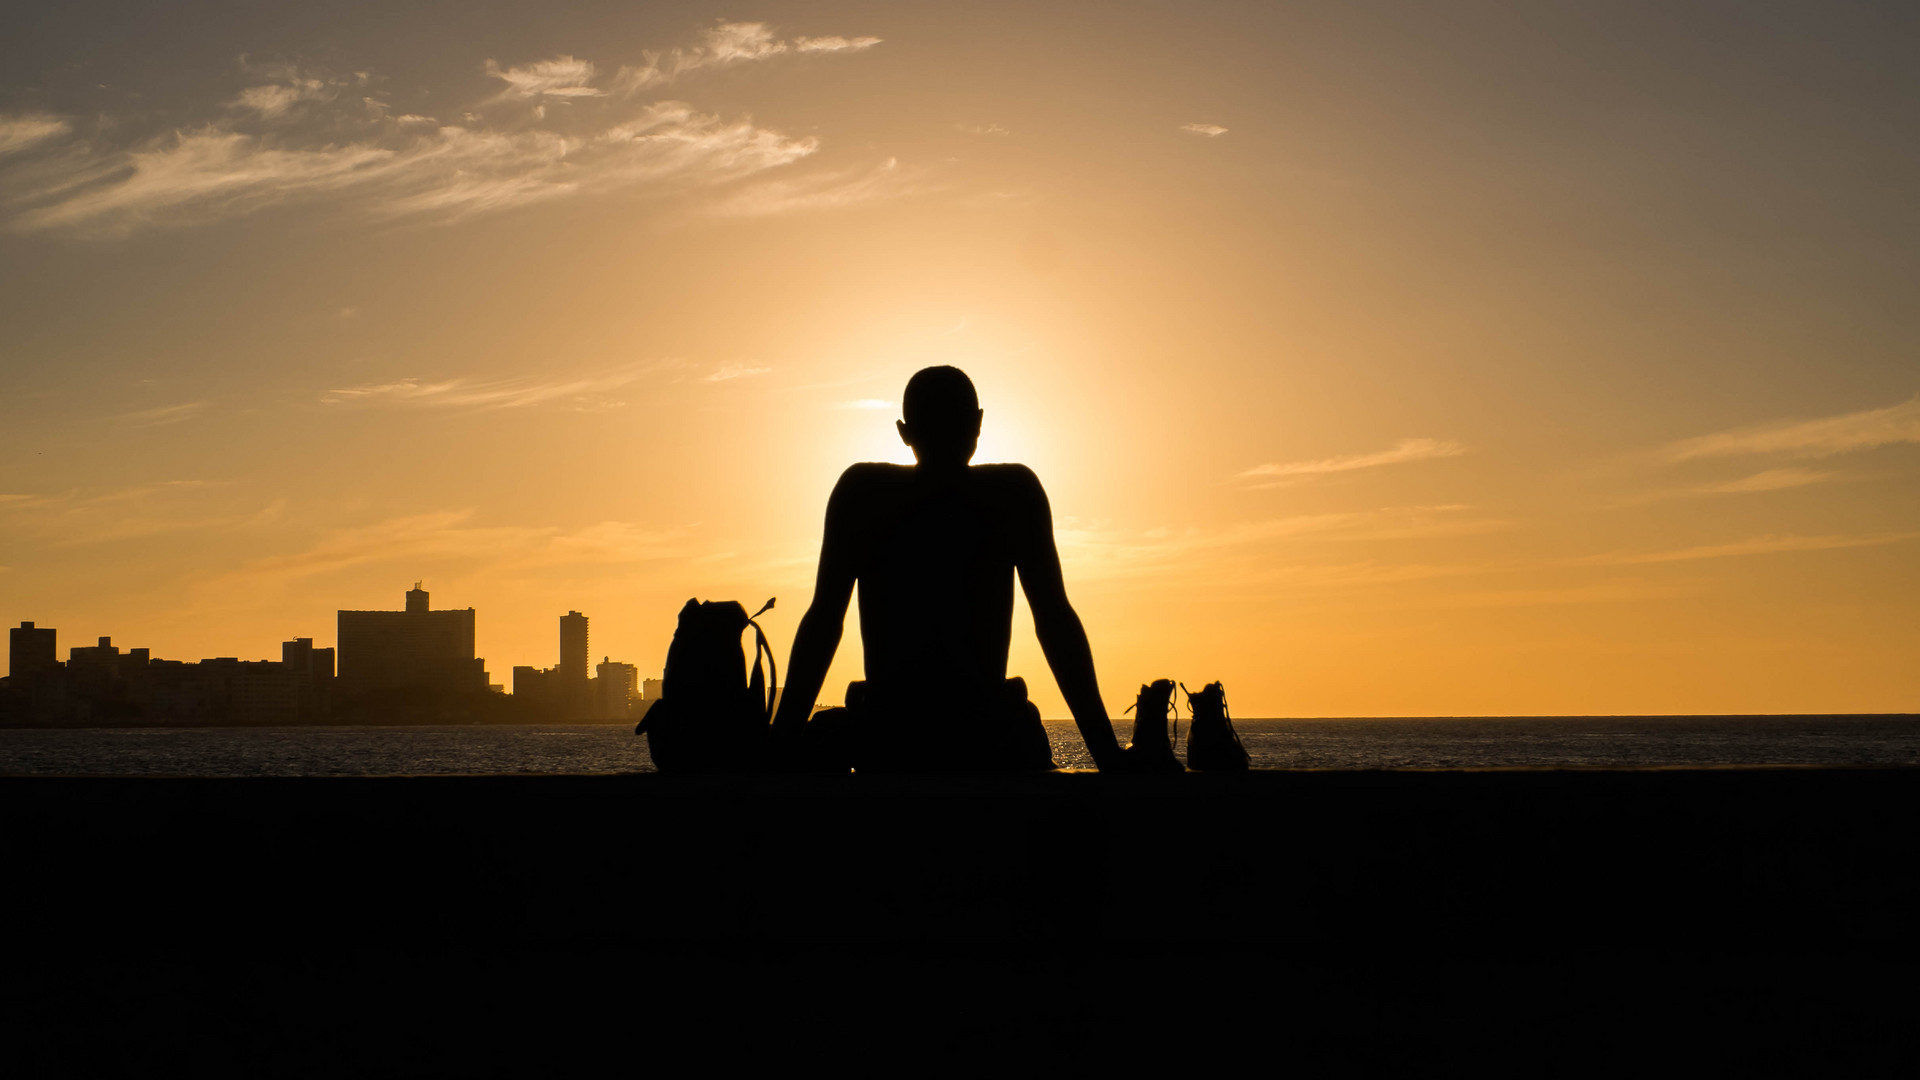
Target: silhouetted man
{"type": "Point", "coordinates": [934, 547]}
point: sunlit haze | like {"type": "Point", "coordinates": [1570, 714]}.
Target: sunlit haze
{"type": "Point", "coordinates": [1378, 359]}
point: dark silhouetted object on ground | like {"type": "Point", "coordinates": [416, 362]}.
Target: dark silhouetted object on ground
{"type": "Point", "coordinates": [934, 548]}
{"type": "Point", "coordinates": [712, 716]}
{"type": "Point", "coordinates": [1150, 747]}
{"type": "Point", "coordinates": [1212, 744]}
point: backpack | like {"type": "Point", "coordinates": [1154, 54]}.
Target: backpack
{"type": "Point", "coordinates": [1212, 744]}
{"type": "Point", "coordinates": [712, 717]}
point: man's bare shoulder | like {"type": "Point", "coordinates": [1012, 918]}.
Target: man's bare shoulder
{"type": "Point", "coordinates": [1009, 480]}
{"type": "Point", "coordinates": [874, 474]}
{"type": "Point", "coordinates": [865, 481]}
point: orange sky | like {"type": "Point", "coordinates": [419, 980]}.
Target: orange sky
{"type": "Point", "coordinates": [1378, 359]}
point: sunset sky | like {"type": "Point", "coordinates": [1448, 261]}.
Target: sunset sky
{"type": "Point", "coordinates": [1379, 359]}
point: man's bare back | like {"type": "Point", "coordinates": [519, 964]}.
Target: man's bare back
{"type": "Point", "coordinates": [935, 548]}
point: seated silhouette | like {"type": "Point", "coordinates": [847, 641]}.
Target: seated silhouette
{"type": "Point", "coordinates": [934, 548]}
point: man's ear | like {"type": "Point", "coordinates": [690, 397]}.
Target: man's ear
{"type": "Point", "coordinates": [978, 415]}
{"type": "Point", "coordinates": [901, 427]}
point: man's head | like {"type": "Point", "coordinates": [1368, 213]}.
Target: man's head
{"type": "Point", "coordinates": [942, 416]}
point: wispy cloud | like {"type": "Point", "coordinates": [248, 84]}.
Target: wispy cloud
{"type": "Point", "coordinates": [560, 77]}
{"type": "Point", "coordinates": [168, 414]}
{"type": "Point", "coordinates": [833, 44]}
{"type": "Point", "coordinates": [1104, 553]}
{"type": "Point", "coordinates": [1808, 438]}
{"type": "Point", "coordinates": [448, 173]}
{"type": "Point", "coordinates": [1403, 451]}
{"type": "Point", "coordinates": [729, 372]}
{"type": "Point", "coordinates": [981, 129]}
{"type": "Point", "coordinates": [1770, 480]}
{"type": "Point", "coordinates": [1762, 545]}
{"type": "Point", "coordinates": [1211, 131]}
{"type": "Point", "coordinates": [821, 191]}
{"type": "Point", "coordinates": [451, 538]}
{"type": "Point", "coordinates": [290, 87]}
{"type": "Point", "coordinates": [1599, 592]}
{"type": "Point", "coordinates": [300, 138]}
{"type": "Point", "coordinates": [30, 129]}
{"type": "Point", "coordinates": [579, 392]}
{"type": "Point", "coordinates": [77, 518]}
{"type": "Point", "coordinates": [865, 403]}
{"type": "Point", "coordinates": [725, 44]}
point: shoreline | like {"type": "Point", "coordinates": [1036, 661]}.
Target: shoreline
{"type": "Point", "coordinates": [1121, 725]}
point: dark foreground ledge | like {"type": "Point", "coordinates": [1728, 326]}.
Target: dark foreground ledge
{"type": "Point", "coordinates": [1785, 857]}
{"type": "Point", "coordinates": [1720, 921]}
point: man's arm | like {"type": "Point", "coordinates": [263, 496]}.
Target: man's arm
{"type": "Point", "coordinates": [818, 637]}
{"type": "Point", "coordinates": [1062, 638]}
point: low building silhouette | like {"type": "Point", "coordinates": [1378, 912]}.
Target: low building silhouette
{"type": "Point", "coordinates": [101, 685]}
{"type": "Point", "coordinates": [313, 672]}
{"type": "Point", "coordinates": [415, 651]}
{"type": "Point", "coordinates": [616, 687]}
{"type": "Point", "coordinates": [31, 649]}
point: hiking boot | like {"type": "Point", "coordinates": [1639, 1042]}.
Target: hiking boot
{"type": "Point", "coordinates": [1212, 744]}
{"type": "Point", "coordinates": [1150, 749]}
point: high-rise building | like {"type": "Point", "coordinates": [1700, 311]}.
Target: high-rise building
{"type": "Point", "coordinates": [30, 648]}
{"type": "Point", "coordinates": [414, 648]}
{"type": "Point", "coordinates": [573, 646]}
{"type": "Point", "coordinates": [650, 689]}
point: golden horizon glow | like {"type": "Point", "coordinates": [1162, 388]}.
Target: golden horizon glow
{"type": "Point", "coordinates": [1420, 364]}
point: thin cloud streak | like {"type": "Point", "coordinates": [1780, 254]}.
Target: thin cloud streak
{"type": "Point", "coordinates": [168, 414]}
{"type": "Point", "coordinates": [562, 77]}
{"type": "Point", "coordinates": [1211, 131]}
{"type": "Point", "coordinates": [727, 44]}
{"type": "Point", "coordinates": [578, 393]}
{"type": "Point", "coordinates": [77, 519]}
{"type": "Point", "coordinates": [1403, 451]}
{"type": "Point", "coordinates": [18, 133]}
{"type": "Point", "coordinates": [449, 536]}
{"type": "Point", "coordinates": [1808, 438]}
{"type": "Point", "coordinates": [822, 191]}
{"type": "Point", "coordinates": [1770, 480]}
{"type": "Point", "coordinates": [1098, 553]}
{"type": "Point", "coordinates": [1762, 545]}
{"type": "Point", "coordinates": [729, 372]}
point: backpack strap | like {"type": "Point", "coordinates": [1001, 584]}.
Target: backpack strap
{"type": "Point", "coordinates": [771, 684]}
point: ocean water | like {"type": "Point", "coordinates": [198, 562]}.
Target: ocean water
{"type": "Point", "coordinates": [1540, 742]}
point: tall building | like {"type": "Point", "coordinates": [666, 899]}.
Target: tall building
{"type": "Point", "coordinates": [416, 648]}
{"type": "Point", "coordinates": [30, 648]}
{"type": "Point", "coordinates": [573, 646]}
{"type": "Point", "coordinates": [650, 689]}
